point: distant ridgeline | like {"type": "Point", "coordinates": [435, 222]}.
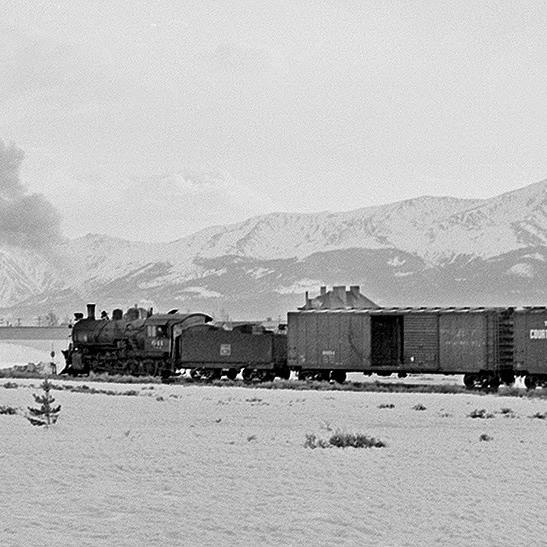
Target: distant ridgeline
{"type": "Point", "coordinates": [34, 333]}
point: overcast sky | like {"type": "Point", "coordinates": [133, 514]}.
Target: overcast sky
{"type": "Point", "coordinates": [150, 120]}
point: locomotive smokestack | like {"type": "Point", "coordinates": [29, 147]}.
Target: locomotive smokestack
{"type": "Point", "coordinates": [91, 311]}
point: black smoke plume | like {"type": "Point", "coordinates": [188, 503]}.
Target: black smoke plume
{"type": "Point", "coordinates": [26, 220]}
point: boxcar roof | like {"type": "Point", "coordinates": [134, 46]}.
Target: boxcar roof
{"type": "Point", "coordinates": [418, 310]}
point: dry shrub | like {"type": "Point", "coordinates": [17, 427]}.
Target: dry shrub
{"type": "Point", "coordinates": [386, 405]}
{"type": "Point", "coordinates": [480, 413]}
{"type": "Point", "coordinates": [485, 437]}
{"type": "Point", "coordinates": [10, 410]}
{"type": "Point", "coordinates": [312, 441]}
{"type": "Point", "coordinates": [358, 440]}
{"type": "Point", "coordinates": [343, 440]}
{"type": "Point", "coordinates": [93, 391]}
{"type": "Point", "coordinates": [539, 415]}
{"type": "Point", "coordinates": [508, 413]}
{"type": "Point", "coordinates": [122, 378]}
{"type": "Point", "coordinates": [419, 406]}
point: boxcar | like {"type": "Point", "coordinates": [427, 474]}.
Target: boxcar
{"type": "Point", "coordinates": [530, 345]}
{"type": "Point", "coordinates": [468, 341]}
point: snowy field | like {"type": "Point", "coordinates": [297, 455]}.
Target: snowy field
{"type": "Point", "coordinates": [21, 352]}
{"type": "Point", "coordinates": [172, 465]}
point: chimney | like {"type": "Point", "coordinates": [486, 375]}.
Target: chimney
{"type": "Point", "coordinates": [355, 290]}
{"type": "Point", "coordinates": [91, 311]}
{"type": "Point", "coordinates": [117, 314]}
{"type": "Point", "coordinates": [340, 292]}
{"type": "Point", "coordinates": [323, 290]}
{"type": "Point", "coordinates": [307, 299]}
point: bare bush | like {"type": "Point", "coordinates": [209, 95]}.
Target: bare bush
{"type": "Point", "coordinates": [343, 440]}
{"type": "Point", "coordinates": [10, 410]}
{"type": "Point", "coordinates": [480, 413]}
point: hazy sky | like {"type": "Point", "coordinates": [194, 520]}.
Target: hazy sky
{"type": "Point", "coordinates": [150, 120]}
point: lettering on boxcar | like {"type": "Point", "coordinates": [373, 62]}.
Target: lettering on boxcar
{"type": "Point", "coordinates": [225, 350]}
{"type": "Point", "coordinates": [538, 334]}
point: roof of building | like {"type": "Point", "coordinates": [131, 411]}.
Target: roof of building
{"type": "Point", "coordinates": [339, 298]}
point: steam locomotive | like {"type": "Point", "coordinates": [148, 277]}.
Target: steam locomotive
{"type": "Point", "coordinates": [139, 342]}
{"type": "Point", "coordinates": [489, 346]}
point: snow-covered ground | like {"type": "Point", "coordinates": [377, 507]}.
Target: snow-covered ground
{"type": "Point", "coordinates": [206, 465]}
{"type": "Point", "coordinates": [21, 352]}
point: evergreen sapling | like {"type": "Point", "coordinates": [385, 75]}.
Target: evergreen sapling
{"type": "Point", "coordinates": [46, 414]}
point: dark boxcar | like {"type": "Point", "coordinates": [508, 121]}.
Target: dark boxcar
{"type": "Point", "coordinates": [329, 339]}
{"type": "Point", "coordinates": [349, 340]}
{"type": "Point", "coordinates": [530, 345]}
{"type": "Point", "coordinates": [468, 340]}
{"type": "Point", "coordinates": [403, 340]}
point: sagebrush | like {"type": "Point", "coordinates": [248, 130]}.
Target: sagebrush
{"type": "Point", "coordinates": [343, 440]}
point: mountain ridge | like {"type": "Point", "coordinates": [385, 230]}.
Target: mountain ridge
{"type": "Point", "coordinates": [268, 261]}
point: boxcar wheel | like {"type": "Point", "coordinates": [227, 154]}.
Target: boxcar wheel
{"type": "Point", "coordinates": [494, 383]}
{"type": "Point", "coordinates": [469, 380]}
{"type": "Point", "coordinates": [284, 373]}
{"type": "Point", "coordinates": [530, 382]}
{"type": "Point", "coordinates": [305, 375]}
{"type": "Point", "coordinates": [508, 378]}
{"type": "Point", "coordinates": [339, 376]}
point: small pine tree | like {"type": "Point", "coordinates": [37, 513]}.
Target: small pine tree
{"type": "Point", "coordinates": [47, 414]}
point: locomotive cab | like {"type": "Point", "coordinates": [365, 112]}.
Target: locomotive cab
{"type": "Point", "coordinates": [157, 338]}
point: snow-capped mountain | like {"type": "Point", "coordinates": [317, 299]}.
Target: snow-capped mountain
{"type": "Point", "coordinates": [423, 251]}
{"type": "Point", "coordinates": [25, 273]}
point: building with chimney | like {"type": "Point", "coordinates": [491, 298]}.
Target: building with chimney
{"type": "Point", "coordinates": [338, 298]}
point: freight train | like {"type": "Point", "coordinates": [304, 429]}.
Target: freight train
{"type": "Point", "coordinates": [488, 346]}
